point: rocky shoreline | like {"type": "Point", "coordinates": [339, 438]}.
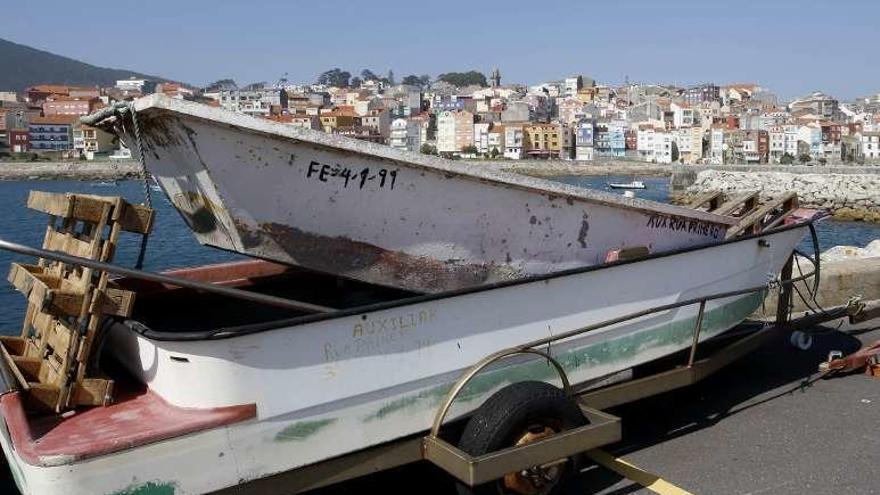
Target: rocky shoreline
{"type": "Point", "coordinates": [846, 196]}
{"type": "Point", "coordinates": [73, 170]}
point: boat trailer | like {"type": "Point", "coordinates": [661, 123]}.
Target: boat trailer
{"type": "Point", "coordinates": [601, 428]}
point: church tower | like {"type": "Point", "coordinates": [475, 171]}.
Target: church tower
{"type": "Point", "coordinates": [496, 77]}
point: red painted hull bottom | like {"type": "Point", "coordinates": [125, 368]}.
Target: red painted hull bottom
{"type": "Point", "coordinates": [139, 417]}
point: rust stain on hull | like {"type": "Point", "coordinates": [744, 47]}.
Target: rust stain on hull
{"type": "Point", "coordinates": [367, 262]}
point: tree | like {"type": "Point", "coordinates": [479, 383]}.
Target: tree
{"type": "Point", "coordinates": [787, 159]}
{"type": "Point", "coordinates": [368, 75]}
{"type": "Point", "coordinates": [411, 80]}
{"type": "Point", "coordinates": [675, 152]}
{"type": "Point", "coordinates": [355, 82]}
{"type": "Point", "coordinates": [427, 149]}
{"type": "Point", "coordinates": [469, 150]}
{"type": "Point", "coordinates": [462, 79]}
{"type": "Point", "coordinates": [389, 79]}
{"type": "Point", "coordinates": [335, 77]}
{"type": "Point", "coordinates": [804, 158]}
{"type": "Point", "coordinates": [823, 161]}
{"type": "Point", "coordinates": [494, 153]}
{"type": "Point", "coordinates": [425, 79]}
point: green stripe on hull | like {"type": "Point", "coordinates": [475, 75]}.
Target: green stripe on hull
{"type": "Point", "coordinates": [619, 350]}
{"type": "Point", "coordinates": [149, 488]}
{"type": "Point", "coordinates": [301, 430]}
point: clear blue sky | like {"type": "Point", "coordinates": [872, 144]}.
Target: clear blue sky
{"type": "Point", "coordinates": [792, 47]}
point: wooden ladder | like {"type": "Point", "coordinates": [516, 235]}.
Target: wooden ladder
{"type": "Point", "coordinates": [66, 303]}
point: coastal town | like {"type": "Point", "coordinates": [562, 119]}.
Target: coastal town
{"type": "Point", "coordinates": [467, 115]}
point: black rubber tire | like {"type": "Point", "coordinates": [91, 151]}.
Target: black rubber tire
{"type": "Point", "coordinates": [507, 414]}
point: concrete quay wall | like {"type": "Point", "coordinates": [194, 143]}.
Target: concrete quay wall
{"type": "Point", "coordinates": [838, 282]}
{"type": "Point", "coordinates": [73, 170]}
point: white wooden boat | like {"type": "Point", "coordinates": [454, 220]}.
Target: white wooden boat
{"type": "Point", "coordinates": [636, 184]}
{"type": "Point", "coordinates": [232, 395]}
{"type": "Point", "coordinates": [372, 213]}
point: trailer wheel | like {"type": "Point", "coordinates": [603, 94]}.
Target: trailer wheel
{"type": "Point", "coordinates": [518, 414]}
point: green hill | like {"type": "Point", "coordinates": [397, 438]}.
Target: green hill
{"type": "Point", "coordinates": [22, 66]}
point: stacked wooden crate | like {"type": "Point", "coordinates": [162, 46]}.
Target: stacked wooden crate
{"type": "Point", "coordinates": [66, 304]}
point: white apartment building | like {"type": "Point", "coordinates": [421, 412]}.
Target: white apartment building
{"type": "Point", "coordinates": [716, 146]}
{"type": "Point", "coordinates": [455, 130]}
{"type": "Point", "coordinates": [682, 115]}
{"type": "Point", "coordinates": [405, 135]}
{"type": "Point", "coordinates": [662, 147]}
{"type": "Point", "coordinates": [253, 102]}
{"type": "Point", "coordinates": [481, 137]}
{"type": "Point", "coordinates": [690, 144]}
{"type": "Point", "coordinates": [513, 142]}
{"type": "Point", "coordinates": [645, 143]}
{"type": "Point", "coordinates": [870, 146]}
{"type": "Point", "coordinates": [131, 84]}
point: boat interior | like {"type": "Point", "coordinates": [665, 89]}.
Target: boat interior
{"type": "Point", "coordinates": [164, 309]}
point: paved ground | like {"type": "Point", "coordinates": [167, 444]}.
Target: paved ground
{"type": "Point", "coordinates": [764, 425]}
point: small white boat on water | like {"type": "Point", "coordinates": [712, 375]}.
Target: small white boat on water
{"type": "Point", "coordinates": [636, 184]}
{"type": "Point", "coordinates": [212, 392]}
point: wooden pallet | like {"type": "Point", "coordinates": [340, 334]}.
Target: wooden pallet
{"type": "Point", "coordinates": [67, 303]}
{"type": "Point", "coordinates": [753, 217]}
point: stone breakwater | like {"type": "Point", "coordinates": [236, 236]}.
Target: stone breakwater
{"type": "Point", "coordinates": [847, 196]}
{"type": "Point", "coordinates": [99, 171]}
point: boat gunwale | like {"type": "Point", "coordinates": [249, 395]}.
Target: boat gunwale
{"type": "Point", "coordinates": [243, 330]}
{"type": "Point", "coordinates": [330, 142]}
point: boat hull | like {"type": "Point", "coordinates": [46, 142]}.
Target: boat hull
{"type": "Point", "coordinates": [339, 384]}
{"type": "Point", "coordinates": [384, 216]}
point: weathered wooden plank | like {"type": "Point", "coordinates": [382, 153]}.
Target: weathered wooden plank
{"type": "Point", "coordinates": [713, 198]}
{"type": "Point", "coordinates": [138, 219]}
{"type": "Point", "coordinates": [754, 220]}
{"type": "Point", "coordinates": [747, 201]}
{"type": "Point", "coordinates": [42, 396]}
{"type": "Point", "coordinates": [44, 291]}
{"type": "Point", "coordinates": [89, 208]}
{"type": "Point", "coordinates": [29, 366]}
{"type": "Point", "coordinates": [67, 243]}
{"type": "Point", "coordinates": [116, 302]}
{"type": "Point", "coordinates": [93, 392]}
{"type": "Point", "coordinates": [12, 366]}
{"type": "Point", "coordinates": [15, 345]}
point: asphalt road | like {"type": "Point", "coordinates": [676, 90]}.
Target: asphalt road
{"type": "Point", "coordinates": [767, 424]}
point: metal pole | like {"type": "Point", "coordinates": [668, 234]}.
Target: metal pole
{"type": "Point", "coordinates": [165, 279]}
{"type": "Point", "coordinates": [783, 302]}
{"type": "Point", "coordinates": [697, 328]}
